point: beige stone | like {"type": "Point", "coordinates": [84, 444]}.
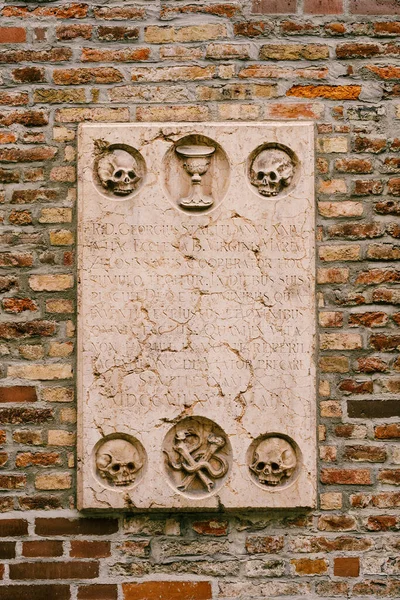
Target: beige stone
{"type": "Point", "coordinates": [331, 501]}
{"type": "Point", "coordinates": [51, 283]}
{"type": "Point", "coordinates": [60, 437]}
{"type": "Point", "coordinates": [196, 298]}
{"type": "Point", "coordinates": [40, 372]}
{"type": "Point", "coordinates": [53, 481]}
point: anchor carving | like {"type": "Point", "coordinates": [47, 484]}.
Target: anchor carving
{"type": "Point", "coordinates": [195, 462]}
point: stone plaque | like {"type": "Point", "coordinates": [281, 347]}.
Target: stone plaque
{"type": "Point", "coordinates": [196, 374]}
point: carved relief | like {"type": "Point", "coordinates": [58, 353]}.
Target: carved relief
{"type": "Point", "coordinates": [196, 162]}
{"type": "Point", "coordinates": [274, 461]}
{"type": "Point", "coordinates": [196, 173]}
{"type": "Point", "coordinates": [119, 461]}
{"type": "Point", "coordinates": [197, 456]}
{"type": "Point", "coordinates": [271, 170]}
{"type": "Point", "coordinates": [119, 170]}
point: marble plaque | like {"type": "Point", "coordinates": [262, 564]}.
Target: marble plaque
{"type": "Point", "coordinates": [196, 325]}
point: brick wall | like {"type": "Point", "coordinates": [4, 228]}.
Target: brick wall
{"type": "Point", "coordinates": [332, 61]}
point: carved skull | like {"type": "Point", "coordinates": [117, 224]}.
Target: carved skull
{"type": "Point", "coordinates": [270, 171]}
{"type": "Point", "coordinates": [118, 172]}
{"type": "Point", "coordinates": [274, 461]}
{"type": "Point", "coordinates": [118, 461]}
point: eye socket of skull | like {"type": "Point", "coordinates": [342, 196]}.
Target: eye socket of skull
{"type": "Point", "coordinates": [275, 466]}
{"type": "Point", "coordinates": [260, 466]}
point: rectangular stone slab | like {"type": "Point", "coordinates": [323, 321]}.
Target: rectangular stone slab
{"type": "Point", "coordinates": [196, 323]}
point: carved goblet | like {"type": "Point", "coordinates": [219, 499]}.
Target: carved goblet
{"type": "Point", "coordinates": [197, 159]}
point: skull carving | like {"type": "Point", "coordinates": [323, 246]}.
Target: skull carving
{"type": "Point", "coordinates": [118, 172]}
{"type": "Point", "coordinates": [118, 461]}
{"type": "Point", "coordinates": [271, 171]}
{"type": "Point", "coordinates": [274, 461]}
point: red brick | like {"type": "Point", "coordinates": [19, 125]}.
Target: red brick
{"type": "Point", "coordinates": [368, 319]}
{"type": "Point", "coordinates": [348, 566]}
{"type": "Point", "coordinates": [20, 217]}
{"type": "Point", "coordinates": [323, 7]}
{"type": "Point", "coordinates": [373, 409]}
{"type": "Point", "coordinates": [374, 7]}
{"type": "Point", "coordinates": [42, 459]}
{"type": "Point", "coordinates": [98, 592]}
{"type": "Point", "coordinates": [64, 11]}
{"type": "Point", "coordinates": [211, 527]}
{"type": "Point", "coordinates": [346, 476]}
{"type": "Point", "coordinates": [356, 231]}
{"type": "Point", "coordinates": [61, 526]}
{"type": "Point", "coordinates": [173, 590]}
{"type": "Point", "coordinates": [389, 476]}
{"type": "Point", "coordinates": [252, 29]}
{"type": "Point", "coordinates": [273, 7]}
{"type": "Point", "coordinates": [220, 10]}
{"type": "Point", "coordinates": [18, 393]}
{"type": "Point", "coordinates": [384, 343]}
{"type": "Point", "coordinates": [42, 548]}
{"type": "Point", "coordinates": [14, 98]}
{"type": "Point", "coordinates": [369, 144]}
{"type": "Point", "coordinates": [385, 72]}
{"type": "Point", "coordinates": [55, 570]}
{"type": "Point", "coordinates": [374, 454]}
{"type": "Point", "coordinates": [15, 416]}
{"type": "Point", "coordinates": [371, 364]}
{"type": "Point", "coordinates": [7, 550]}
{"type": "Point", "coordinates": [388, 432]}
{"type": "Point", "coordinates": [330, 92]}
{"type": "Point", "coordinates": [7, 176]}
{"type": "Point", "coordinates": [394, 186]}
{"type": "Point", "coordinates": [117, 33]}
{"type": "Point", "coordinates": [86, 75]}
{"type": "Point", "coordinates": [119, 13]}
{"type": "Point", "coordinates": [387, 28]}
{"type": "Point", "coordinates": [39, 502]}
{"type": "Point", "coordinates": [356, 387]}
{"type": "Point", "coordinates": [18, 305]}
{"type": "Point", "coordinates": [13, 527]}
{"type": "Point", "coordinates": [20, 329]}
{"type": "Point", "coordinates": [110, 55]}
{"type": "Point", "coordinates": [52, 55]}
{"type": "Point", "coordinates": [12, 35]}
{"type": "Point", "coordinates": [353, 165]}
{"type": "Point", "coordinates": [73, 31]}
{"type": "Point", "coordinates": [35, 592]}
{"type": "Point", "coordinates": [26, 155]}
{"type": "Point", "coordinates": [295, 110]}
{"type": "Point", "coordinates": [339, 522]}
{"type": "Point", "coordinates": [12, 482]}
{"type": "Point", "coordinates": [28, 118]}
{"type": "Point", "coordinates": [367, 187]}
{"type": "Point", "coordinates": [87, 549]}
{"type": "Point", "coordinates": [358, 50]}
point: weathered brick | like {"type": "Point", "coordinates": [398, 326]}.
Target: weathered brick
{"type": "Point", "coordinates": [294, 52]}
{"type": "Point", "coordinates": [119, 13]}
{"type": "Point", "coordinates": [330, 92]}
{"type": "Point", "coordinates": [63, 526]}
{"type": "Point", "coordinates": [337, 522]}
{"type": "Point", "coordinates": [19, 329]}
{"type": "Point", "coordinates": [285, 110]}
{"type": "Point", "coordinates": [117, 33]}
{"type": "Point", "coordinates": [86, 75]}
{"type": "Point", "coordinates": [53, 481]}
{"type": "Point", "coordinates": [73, 31]}
{"type": "Point", "coordinates": [346, 476]}
{"type": "Point", "coordinates": [97, 115]}
{"type": "Point", "coordinates": [121, 55]}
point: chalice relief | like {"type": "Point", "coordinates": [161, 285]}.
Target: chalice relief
{"type": "Point", "coordinates": [197, 159]}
